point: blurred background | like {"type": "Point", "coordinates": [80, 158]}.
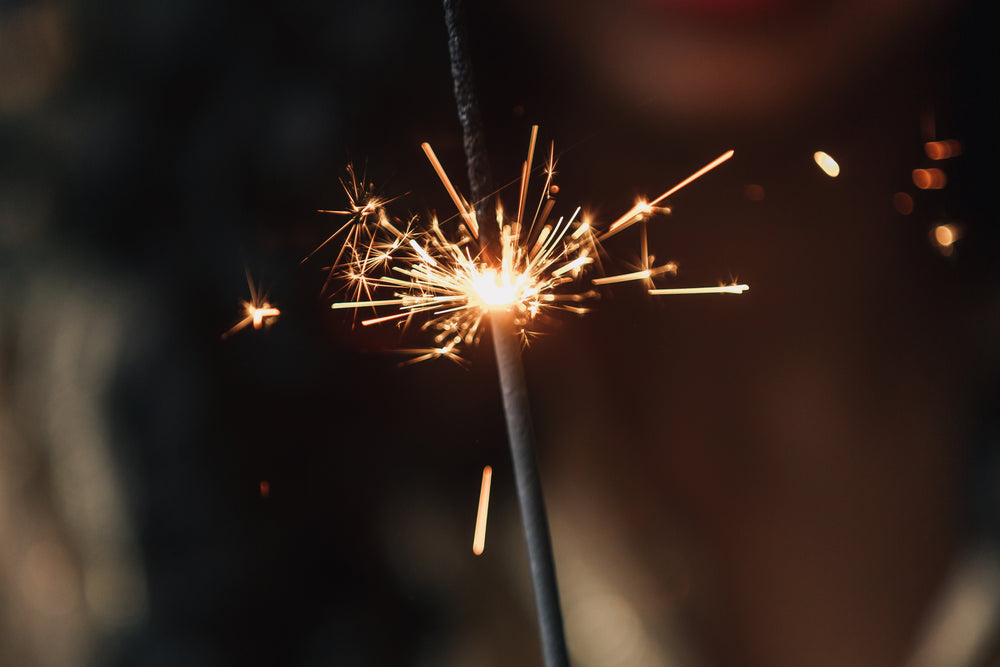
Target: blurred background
{"type": "Point", "coordinates": [804, 475]}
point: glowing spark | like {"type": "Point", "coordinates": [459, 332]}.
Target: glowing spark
{"type": "Point", "coordinates": [641, 208]}
{"type": "Point", "coordinates": [479, 541]}
{"type": "Point", "coordinates": [257, 311]}
{"type": "Point", "coordinates": [452, 284]}
{"type": "Point", "coordinates": [468, 213]}
{"type": "Point", "coordinates": [827, 164]}
{"type": "Point", "coordinates": [637, 275]}
{"type": "Point", "coordinates": [722, 289]}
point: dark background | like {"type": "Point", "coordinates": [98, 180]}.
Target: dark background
{"type": "Point", "coordinates": [786, 477]}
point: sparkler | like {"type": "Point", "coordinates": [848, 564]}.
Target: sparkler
{"type": "Point", "coordinates": [449, 275]}
{"type": "Point", "coordinates": [257, 311]}
{"type": "Point", "coordinates": [452, 280]}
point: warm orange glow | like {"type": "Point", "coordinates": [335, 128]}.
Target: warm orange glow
{"type": "Point", "coordinates": [942, 150]}
{"type": "Point", "coordinates": [945, 236]}
{"type": "Point", "coordinates": [754, 192]}
{"type": "Point", "coordinates": [493, 290]}
{"type": "Point", "coordinates": [265, 488]}
{"type": "Point", "coordinates": [479, 540]}
{"type": "Point", "coordinates": [827, 164]}
{"type": "Point", "coordinates": [903, 203]}
{"type": "Point", "coordinates": [929, 179]}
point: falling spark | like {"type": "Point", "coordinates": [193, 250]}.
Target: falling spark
{"type": "Point", "coordinates": [257, 311]}
{"type": "Point", "coordinates": [827, 164]}
{"type": "Point", "coordinates": [449, 277]}
{"type": "Point", "coordinates": [479, 541]}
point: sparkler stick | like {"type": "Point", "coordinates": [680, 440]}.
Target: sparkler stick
{"type": "Point", "coordinates": [520, 434]}
{"type": "Point", "coordinates": [534, 521]}
{"type": "Point", "coordinates": [474, 141]}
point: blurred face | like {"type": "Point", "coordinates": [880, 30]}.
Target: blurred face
{"type": "Point", "coordinates": [721, 61]}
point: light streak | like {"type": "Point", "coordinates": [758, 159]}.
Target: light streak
{"type": "Point", "coordinates": [637, 275]}
{"type": "Point", "coordinates": [257, 311]}
{"type": "Point", "coordinates": [722, 289]}
{"type": "Point", "coordinates": [447, 276]}
{"type": "Point", "coordinates": [479, 539]}
{"type": "Point", "coordinates": [641, 208]}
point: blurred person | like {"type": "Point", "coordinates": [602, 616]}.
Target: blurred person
{"type": "Point", "coordinates": [783, 479]}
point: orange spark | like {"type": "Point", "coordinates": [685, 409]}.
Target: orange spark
{"type": "Point", "coordinates": [257, 311]}
{"type": "Point", "coordinates": [642, 208]}
{"type": "Point", "coordinates": [479, 541]}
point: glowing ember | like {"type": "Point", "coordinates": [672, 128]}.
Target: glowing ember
{"type": "Point", "coordinates": [929, 179]}
{"type": "Point", "coordinates": [453, 279]}
{"type": "Point", "coordinates": [257, 311]}
{"type": "Point", "coordinates": [827, 164]}
{"type": "Point", "coordinates": [942, 150]}
{"type": "Point", "coordinates": [945, 237]}
{"type": "Point", "coordinates": [479, 540]}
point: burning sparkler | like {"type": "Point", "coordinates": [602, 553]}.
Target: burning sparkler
{"type": "Point", "coordinates": [451, 276]}
{"type": "Point", "coordinates": [453, 273]}
{"type": "Point", "coordinates": [454, 279]}
{"type": "Point", "coordinates": [257, 311]}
